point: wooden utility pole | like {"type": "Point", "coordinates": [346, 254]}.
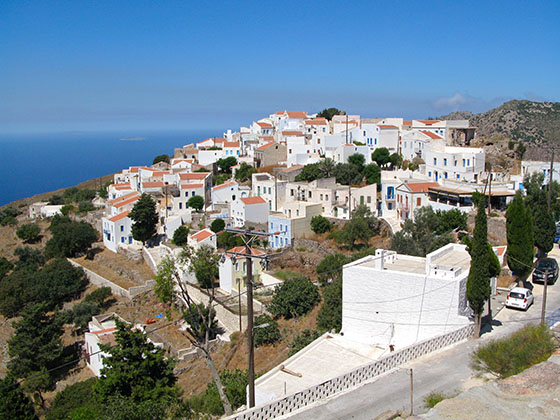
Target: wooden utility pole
{"type": "Point", "coordinates": [550, 180]}
{"type": "Point", "coordinates": [411, 393]}
{"type": "Point", "coordinates": [543, 307]}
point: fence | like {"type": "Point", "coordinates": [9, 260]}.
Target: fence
{"type": "Point", "coordinates": [353, 378]}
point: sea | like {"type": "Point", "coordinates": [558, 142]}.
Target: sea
{"type": "Point", "coordinates": [36, 163]}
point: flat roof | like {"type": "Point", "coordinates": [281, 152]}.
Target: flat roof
{"type": "Point", "coordinates": [327, 357]}
{"type": "Point", "coordinates": [402, 263]}
{"type": "Point", "coordinates": [454, 258]}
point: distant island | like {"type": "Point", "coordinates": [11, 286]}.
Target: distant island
{"type": "Point", "coordinates": [133, 138]}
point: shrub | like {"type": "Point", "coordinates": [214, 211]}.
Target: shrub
{"type": "Point", "coordinates": [266, 335]}
{"type": "Point", "coordinates": [235, 384]}
{"type": "Point", "coordinates": [5, 267]}
{"type": "Point", "coordinates": [66, 209]}
{"type": "Point", "coordinates": [70, 238]}
{"type": "Point", "coordinates": [294, 298]}
{"type": "Point", "coordinates": [320, 224]}
{"type": "Point", "coordinates": [85, 206]}
{"type": "Point", "coordinates": [8, 216]}
{"type": "Point", "coordinates": [161, 158]}
{"type": "Point", "coordinates": [511, 355]}
{"type": "Point", "coordinates": [98, 296]}
{"type": "Point", "coordinates": [180, 235]}
{"type": "Point", "coordinates": [434, 398]}
{"type": "Point", "coordinates": [286, 274]}
{"type": "Point", "coordinates": [29, 232]}
{"type": "Point", "coordinates": [330, 315]}
{"type": "Point", "coordinates": [196, 202]}
{"type": "Point", "coordinates": [217, 225]}
{"type": "Point", "coordinates": [331, 267]}
{"type": "Point", "coordinates": [302, 340]}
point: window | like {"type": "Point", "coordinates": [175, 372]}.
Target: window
{"type": "Point", "coordinates": [271, 226]}
{"type": "Point", "coordinates": [445, 175]}
{"type": "Point", "coordinates": [458, 176]}
{"type": "Point", "coordinates": [463, 163]}
{"type": "Point", "coordinates": [390, 193]}
{"type": "Point", "coordinates": [309, 194]}
{"type": "Point", "coordinates": [419, 201]}
{"type": "Point", "coordinates": [429, 174]}
{"type": "Point", "coordinates": [291, 192]}
{"type": "Point", "coordinates": [444, 162]}
{"type": "Point", "coordinates": [297, 212]}
{"type": "Point", "coordinates": [389, 206]}
{"type": "Point", "coordinates": [186, 193]}
{"type": "Point", "coordinates": [290, 151]}
{"type": "Point", "coordinates": [326, 197]}
{"type": "Point", "coordinates": [369, 199]}
{"type": "Point", "coordinates": [258, 190]}
{"type": "Point", "coordinates": [361, 199]}
{"type": "Point", "coordinates": [376, 140]}
{"type": "Point", "coordinates": [435, 161]}
{"type": "Point", "coordinates": [270, 190]}
{"type": "Point", "coordinates": [122, 228]}
{"type": "Point", "coordinates": [122, 239]}
{"type": "Point", "coordinates": [321, 197]}
{"type": "Point", "coordinates": [468, 162]}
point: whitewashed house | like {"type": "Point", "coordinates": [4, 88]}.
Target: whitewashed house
{"type": "Point", "coordinates": [233, 270]}
{"type": "Point", "coordinates": [456, 163]}
{"type": "Point", "coordinates": [271, 190]}
{"type": "Point", "coordinates": [294, 221]}
{"type": "Point", "coordinates": [204, 237]}
{"type": "Point", "coordinates": [412, 196]}
{"type": "Point", "coordinates": [117, 231]}
{"type": "Point", "coordinates": [249, 210]}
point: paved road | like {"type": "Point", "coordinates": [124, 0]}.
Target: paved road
{"type": "Point", "coordinates": [445, 371]}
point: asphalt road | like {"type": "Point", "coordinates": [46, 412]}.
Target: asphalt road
{"type": "Point", "coordinates": [445, 371]}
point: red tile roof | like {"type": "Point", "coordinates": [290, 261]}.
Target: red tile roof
{"type": "Point", "coordinates": [119, 216]}
{"type": "Point", "coordinates": [231, 144]}
{"type": "Point", "coordinates": [106, 330]}
{"type": "Point", "coordinates": [123, 197]}
{"type": "Point", "coordinates": [431, 135]}
{"type": "Point", "coordinates": [428, 122]}
{"type": "Point", "coordinates": [125, 202]}
{"type": "Point", "coordinates": [316, 121]}
{"type": "Point", "coordinates": [227, 184]}
{"type": "Point", "coordinates": [157, 184]}
{"type": "Point", "coordinates": [262, 124]}
{"type": "Point", "coordinates": [280, 112]}
{"type": "Point", "coordinates": [421, 187]}
{"type": "Point", "coordinates": [267, 138]}
{"type": "Point", "coordinates": [121, 187]}
{"type": "Point", "coordinates": [242, 250]}
{"type": "Point", "coordinates": [194, 175]}
{"type": "Point", "coordinates": [387, 126]}
{"type": "Point", "coordinates": [265, 146]}
{"type": "Point", "coordinates": [187, 186]}
{"type": "Point", "coordinates": [298, 115]}
{"type": "Point", "coordinates": [407, 122]}
{"type": "Point", "coordinates": [202, 235]}
{"type": "Point", "coordinates": [252, 200]}
{"type": "Point", "coordinates": [161, 173]}
{"type": "Point", "coordinates": [292, 133]}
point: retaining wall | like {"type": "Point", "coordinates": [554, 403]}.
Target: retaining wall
{"type": "Point", "coordinates": [352, 379]}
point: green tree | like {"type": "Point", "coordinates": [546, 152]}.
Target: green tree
{"type": "Point", "coordinates": [72, 398]}
{"type": "Point", "coordinates": [181, 235]}
{"type": "Point", "coordinates": [99, 296]}
{"type": "Point", "coordinates": [69, 238]}
{"type": "Point", "coordinates": [5, 267]}
{"type": "Point", "coordinates": [29, 232]}
{"type": "Point", "coordinates": [67, 208]}
{"type": "Point", "coordinates": [244, 172]}
{"type": "Point", "coordinates": [357, 160]}
{"type": "Point", "coordinates": [56, 200]}
{"type": "Point", "coordinates": [381, 156]}
{"type": "Point", "coordinates": [320, 224]}
{"type": "Point", "coordinates": [28, 258]}
{"type": "Point", "coordinates": [229, 240]}
{"type": "Point", "coordinates": [478, 281]}
{"type": "Point", "coordinates": [348, 174]}
{"type": "Point", "coordinates": [294, 298]}
{"type": "Point", "coordinates": [309, 172]}
{"type": "Point", "coordinates": [395, 160]}
{"type": "Point", "coordinates": [145, 219]}
{"type": "Point", "coordinates": [235, 382]}
{"type": "Point", "coordinates": [225, 164]}
{"type": "Point", "coordinates": [82, 312]}
{"type": "Point", "coordinates": [372, 172]}
{"type": "Point", "coordinates": [302, 340]}
{"type": "Point", "coordinates": [519, 229]}
{"type": "Point", "coordinates": [217, 225]}
{"type": "Point", "coordinates": [330, 314]}
{"type": "Point", "coordinates": [135, 369]}
{"type": "Point", "coordinates": [450, 220]}
{"type": "Point", "coordinates": [161, 158]}
{"type": "Point", "coordinates": [329, 113]}
{"type": "Point", "coordinates": [205, 265]}
{"type": "Point", "coordinates": [85, 206]}
{"type": "Point", "coordinates": [326, 168]}
{"type": "Point", "coordinates": [14, 404]}
{"type": "Point", "coordinates": [266, 335]}
{"type": "Point", "coordinates": [330, 267]}
{"type": "Point", "coordinates": [196, 202]}
{"type": "Point", "coordinates": [544, 228]}
{"type": "Point", "coordinates": [36, 343]}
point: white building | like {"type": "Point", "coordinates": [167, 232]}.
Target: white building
{"type": "Point", "coordinates": [412, 196]}
{"type": "Point", "coordinates": [457, 163]}
{"type": "Point", "coordinates": [102, 330]}
{"type": "Point", "coordinates": [249, 210]}
{"type": "Point", "coordinates": [271, 190]}
{"type": "Point", "coordinates": [204, 237]}
{"type": "Point", "coordinates": [226, 193]}
{"type": "Point", "coordinates": [399, 300]}
{"type": "Point", "coordinates": [294, 221]}
{"type": "Point", "coordinates": [530, 167]}
{"type": "Point", "coordinates": [233, 270]}
{"type": "Point", "coordinates": [117, 231]}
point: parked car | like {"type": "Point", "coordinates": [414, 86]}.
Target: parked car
{"type": "Point", "coordinates": [557, 236]}
{"type": "Point", "coordinates": [520, 298]}
{"type": "Point", "coordinates": [544, 265]}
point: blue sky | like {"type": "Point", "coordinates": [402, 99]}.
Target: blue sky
{"type": "Point", "coordinates": [105, 65]}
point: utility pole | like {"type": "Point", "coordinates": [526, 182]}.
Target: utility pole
{"type": "Point", "coordinates": [543, 307]}
{"type": "Point", "coordinates": [411, 393]}
{"type": "Point", "coordinates": [550, 180]}
{"type": "Point", "coordinates": [346, 128]}
{"type": "Point", "coordinates": [248, 237]}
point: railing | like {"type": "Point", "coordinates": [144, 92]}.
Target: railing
{"type": "Point", "coordinates": [352, 379]}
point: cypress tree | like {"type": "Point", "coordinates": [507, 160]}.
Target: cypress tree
{"type": "Point", "coordinates": [145, 219]}
{"type": "Point", "coordinates": [519, 227]}
{"type": "Point", "coordinates": [478, 281]}
{"type": "Point", "coordinates": [544, 228]}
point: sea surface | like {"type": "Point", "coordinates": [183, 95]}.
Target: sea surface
{"type": "Point", "coordinates": [36, 163]}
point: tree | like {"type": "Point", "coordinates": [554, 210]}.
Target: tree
{"type": "Point", "coordinates": [145, 219]}
{"type": "Point", "coordinates": [217, 225]}
{"type": "Point", "coordinates": [135, 369]}
{"type": "Point", "coordinates": [330, 267]}
{"type": "Point", "coordinates": [294, 298]}
{"type": "Point", "coordinates": [329, 113]}
{"type": "Point", "coordinates": [73, 397]}
{"type": "Point", "coordinates": [302, 340]}
{"type": "Point", "coordinates": [14, 404]}
{"type": "Point", "coordinates": [361, 227]}
{"type": "Point", "coordinates": [309, 172]}
{"type": "Point", "coordinates": [85, 206]}
{"type": "Point", "coordinates": [168, 277]}
{"type": "Point", "coordinates": [381, 156]}
{"type": "Point", "coordinates": [56, 200]}
{"type": "Point", "coordinates": [358, 160]}
{"type": "Point", "coordinates": [450, 220]}
{"type": "Point", "coordinates": [235, 382]}
{"type": "Point", "coordinates": [5, 267]}
{"type": "Point", "coordinates": [69, 238]}
{"type": "Point", "coordinates": [205, 265]}
{"type": "Point", "coordinates": [326, 168]}
{"type": "Point", "coordinates": [196, 202]}
{"type": "Point", "coordinates": [478, 281]}
{"type": "Point", "coordinates": [29, 258]}
{"type": "Point", "coordinates": [372, 172]}
{"type": "Point", "coordinates": [266, 335]}
{"type": "Point", "coordinates": [244, 172]}
{"type": "Point", "coordinates": [395, 160]}
{"type": "Point", "coordinates": [544, 228]}
{"type": "Point", "coordinates": [330, 315]}
{"type": "Point", "coordinates": [180, 235]}
{"type": "Point", "coordinates": [348, 174]}
{"type": "Point", "coordinates": [320, 224]}
{"type": "Point", "coordinates": [36, 343]}
{"type": "Point", "coordinates": [29, 232]}
{"type": "Point", "coordinates": [225, 164]}
{"type": "Point", "coordinates": [229, 240]}
{"type": "Point", "coordinates": [161, 158]}
{"type": "Point", "coordinates": [519, 229]}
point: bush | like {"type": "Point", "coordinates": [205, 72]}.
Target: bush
{"type": "Point", "coordinates": [77, 195]}
{"type": "Point", "coordinates": [330, 315]}
{"type": "Point", "coordinates": [82, 313]}
{"type": "Point", "coordinates": [29, 232]}
{"type": "Point", "coordinates": [229, 240]}
{"type": "Point", "coordinates": [5, 267]}
{"type": "Point", "coordinates": [217, 225]}
{"type": "Point", "coordinates": [98, 296]}
{"type": "Point", "coordinates": [66, 209]}
{"type": "Point", "coordinates": [434, 398]}
{"type": "Point", "coordinates": [511, 355]}
{"type": "Point", "coordinates": [320, 224]}
{"type": "Point", "coordinates": [302, 340]}
{"type": "Point", "coordinates": [161, 158]}
{"type": "Point", "coordinates": [266, 335]}
{"type": "Point", "coordinates": [235, 384]}
{"type": "Point", "coordinates": [180, 235]}
{"type": "Point", "coordinates": [85, 206]}
{"type": "Point", "coordinates": [70, 239]}
{"type": "Point", "coordinates": [294, 298]}
{"type": "Point", "coordinates": [196, 202]}
{"type": "Point", "coordinates": [8, 216]}
{"type": "Point", "coordinates": [331, 267]}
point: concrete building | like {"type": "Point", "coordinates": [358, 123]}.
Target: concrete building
{"type": "Point", "coordinates": [102, 330]}
{"type": "Point", "coordinates": [204, 237]}
{"type": "Point", "coordinates": [270, 153]}
{"type": "Point", "coordinates": [233, 270]}
{"type": "Point", "coordinates": [294, 221]}
{"type": "Point", "coordinates": [530, 167]}
{"type": "Point", "coordinates": [392, 299]}
{"type": "Point", "coordinates": [247, 210]}
{"type": "Point", "coordinates": [457, 163]}
{"type": "Point", "coordinates": [271, 190]}
{"type": "Point", "coordinates": [412, 196]}
{"type": "Point", "coordinates": [117, 231]}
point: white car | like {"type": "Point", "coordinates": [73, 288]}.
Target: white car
{"type": "Point", "coordinates": [520, 298]}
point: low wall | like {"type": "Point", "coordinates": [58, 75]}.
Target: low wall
{"type": "Point", "coordinates": [352, 379]}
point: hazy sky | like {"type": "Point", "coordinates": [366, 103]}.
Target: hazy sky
{"type": "Point", "coordinates": [104, 65]}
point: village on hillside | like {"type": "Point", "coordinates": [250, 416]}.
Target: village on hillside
{"type": "Point", "coordinates": [379, 212]}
